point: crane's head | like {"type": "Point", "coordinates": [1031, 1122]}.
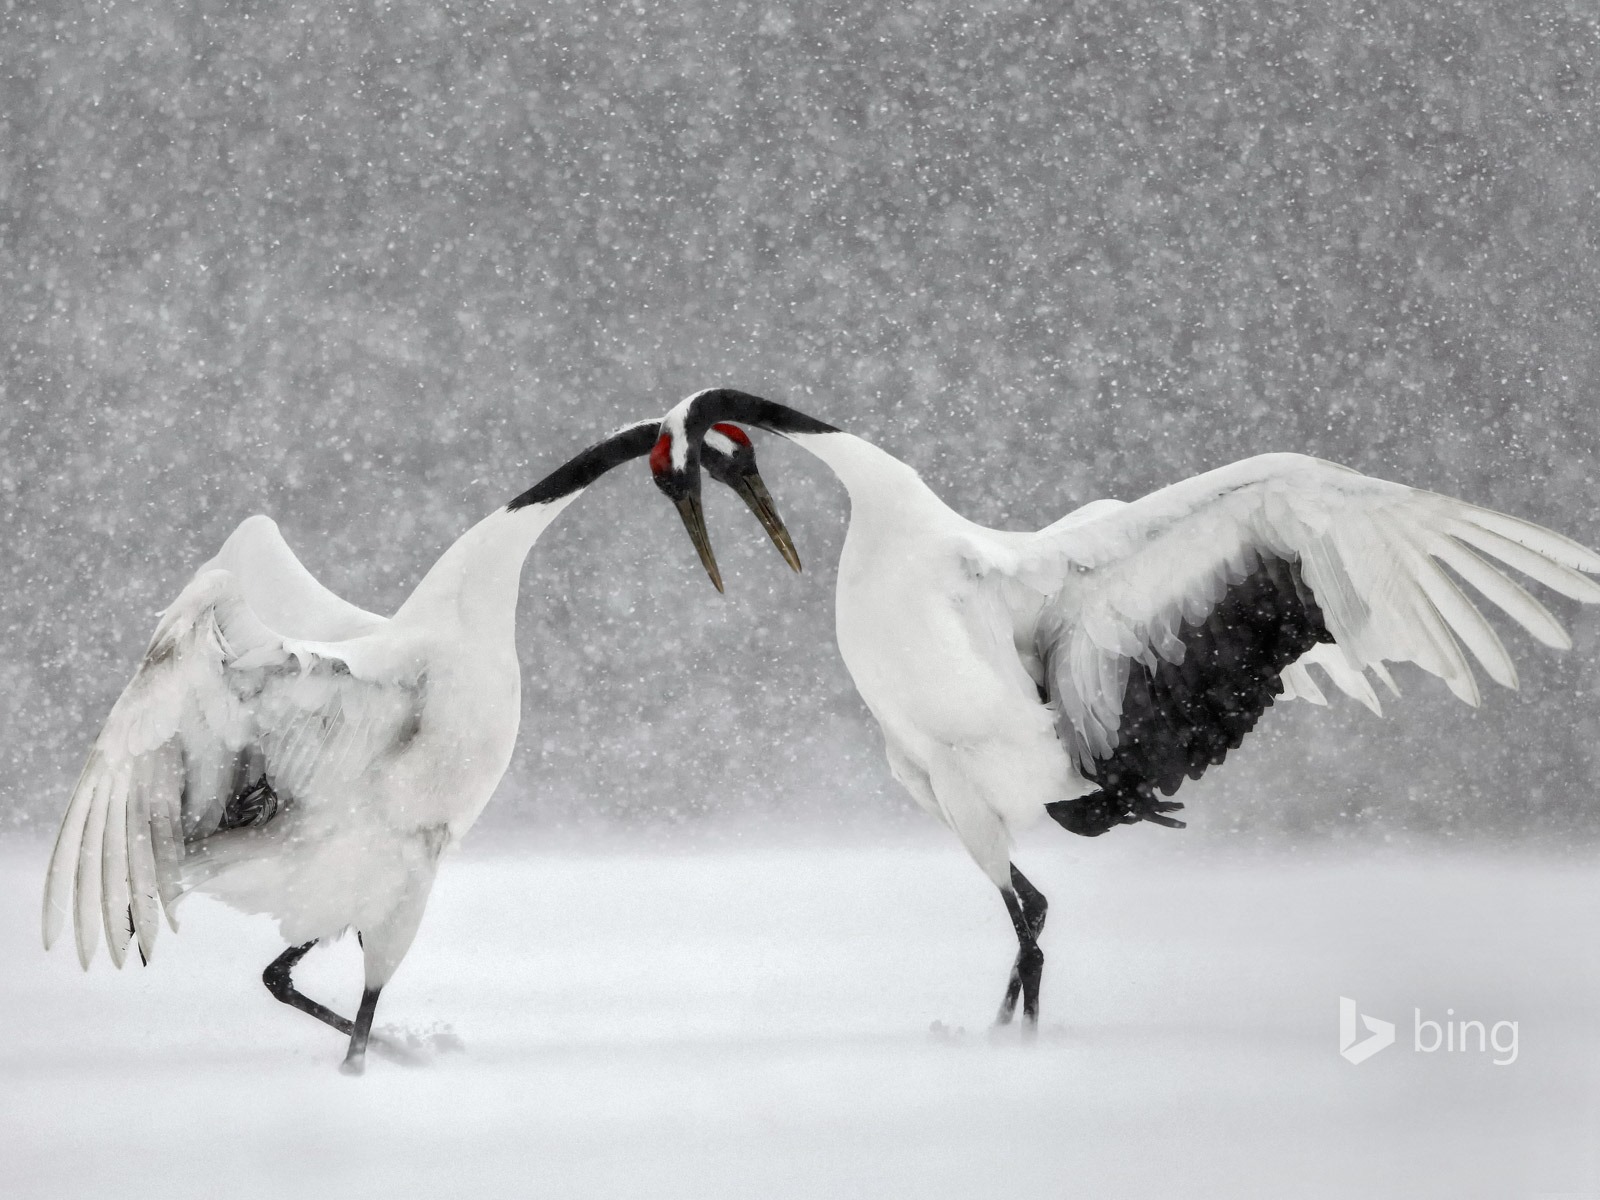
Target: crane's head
{"type": "Point", "coordinates": [727, 453]}
{"type": "Point", "coordinates": [729, 457]}
{"type": "Point", "coordinates": [701, 430]}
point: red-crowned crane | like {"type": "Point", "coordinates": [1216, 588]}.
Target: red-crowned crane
{"type": "Point", "coordinates": [1080, 670]}
{"type": "Point", "coordinates": [298, 756]}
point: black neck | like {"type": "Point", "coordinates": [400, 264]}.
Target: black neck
{"type": "Point", "coordinates": [579, 471]}
{"type": "Point", "coordinates": [726, 404]}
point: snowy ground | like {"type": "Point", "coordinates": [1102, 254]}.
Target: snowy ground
{"type": "Point", "coordinates": [811, 1021]}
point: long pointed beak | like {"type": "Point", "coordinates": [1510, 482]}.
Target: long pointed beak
{"type": "Point", "coordinates": [760, 501]}
{"type": "Point", "coordinates": [694, 520]}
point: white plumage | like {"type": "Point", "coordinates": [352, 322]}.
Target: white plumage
{"type": "Point", "coordinates": [383, 737]}
{"type": "Point", "coordinates": [1120, 585]}
{"type": "Point", "coordinates": [301, 757]}
{"type": "Point", "coordinates": [1001, 666]}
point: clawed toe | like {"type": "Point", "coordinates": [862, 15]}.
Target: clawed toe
{"type": "Point", "coordinates": [1154, 810]}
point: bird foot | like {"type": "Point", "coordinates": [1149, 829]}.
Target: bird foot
{"type": "Point", "coordinates": [1092, 815]}
{"type": "Point", "coordinates": [1148, 808]}
{"type": "Point", "coordinates": [1027, 1029]}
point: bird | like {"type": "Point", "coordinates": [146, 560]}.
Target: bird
{"type": "Point", "coordinates": [298, 756]}
{"type": "Point", "coordinates": [1082, 669]}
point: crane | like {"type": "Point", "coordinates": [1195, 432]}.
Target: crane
{"type": "Point", "coordinates": [1081, 670]}
{"type": "Point", "coordinates": [298, 756]}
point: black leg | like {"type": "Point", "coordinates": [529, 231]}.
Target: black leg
{"type": "Point", "coordinates": [1028, 908]}
{"type": "Point", "coordinates": [355, 1061]}
{"type": "Point", "coordinates": [276, 977]}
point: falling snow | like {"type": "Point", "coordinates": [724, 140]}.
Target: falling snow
{"type": "Point", "coordinates": [374, 268]}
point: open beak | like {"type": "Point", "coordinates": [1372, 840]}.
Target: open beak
{"type": "Point", "coordinates": [694, 520]}
{"type": "Point", "coordinates": [760, 501]}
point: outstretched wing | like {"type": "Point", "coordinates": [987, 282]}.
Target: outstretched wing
{"type": "Point", "coordinates": [220, 703]}
{"type": "Point", "coordinates": [279, 589]}
{"type": "Point", "coordinates": [1170, 620]}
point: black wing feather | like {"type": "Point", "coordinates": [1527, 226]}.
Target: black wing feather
{"type": "Point", "coordinates": [1180, 718]}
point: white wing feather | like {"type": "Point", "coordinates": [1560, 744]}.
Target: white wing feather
{"type": "Point", "coordinates": [279, 589]}
{"type": "Point", "coordinates": [217, 688]}
{"type": "Point", "coordinates": [1121, 584]}
{"type": "Point", "coordinates": [1298, 683]}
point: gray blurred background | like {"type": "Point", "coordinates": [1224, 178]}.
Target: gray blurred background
{"type": "Point", "coordinates": [375, 268]}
